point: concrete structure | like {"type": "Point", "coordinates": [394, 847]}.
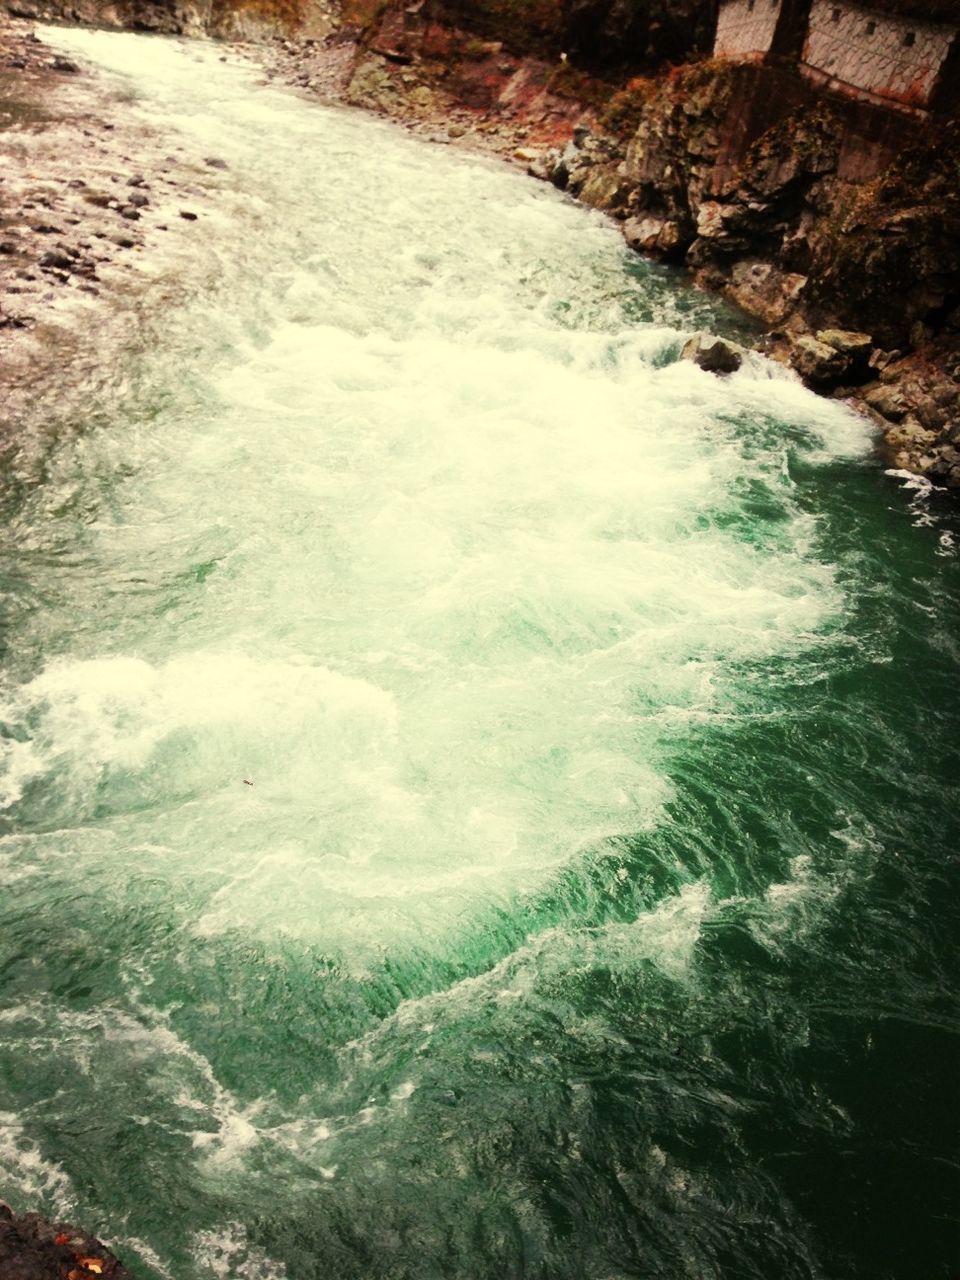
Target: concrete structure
{"type": "Point", "coordinates": [845, 46]}
{"type": "Point", "coordinates": [745, 28]}
{"type": "Point", "coordinates": [877, 57]}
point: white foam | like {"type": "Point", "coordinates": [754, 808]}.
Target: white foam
{"type": "Point", "coordinates": [26, 1176]}
{"type": "Point", "coordinates": [425, 546]}
{"type": "Point", "coordinates": [225, 1253]}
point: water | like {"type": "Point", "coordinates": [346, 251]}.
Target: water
{"type": "Point", "coordinates": [479, 792]}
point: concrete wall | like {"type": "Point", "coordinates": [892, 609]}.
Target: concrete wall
{"type": "Point", "coordinates": [885, 58]}
{"type": "Point", "coordinates": [745, 28]}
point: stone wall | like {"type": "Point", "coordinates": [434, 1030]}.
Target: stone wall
{"type": "Point", "coordinates": [883, 57]}
{"type": "Point", "coordinates": [745, 28]}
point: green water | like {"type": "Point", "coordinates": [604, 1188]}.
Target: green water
{"type": "Point", "coordinates": [479, 793]}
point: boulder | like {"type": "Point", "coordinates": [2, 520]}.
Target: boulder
{"type": "Point", "coordinates": [714, 355]}
{"type": "Point", "coordinates": [651, 233]}
{"type": "Point", "coordinates": [818, 364]}
{"type": "Point", "coordinates": [848, 342]}
{"type": "Point", "coordinates": [886, 401]}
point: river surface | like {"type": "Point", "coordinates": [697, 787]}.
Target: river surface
{"type": "Point", "coordinates": [480, 793]}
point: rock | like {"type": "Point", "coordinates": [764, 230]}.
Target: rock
{"type": "Point", "coordinates": [138, 200]}
{"type": "Point", "coordinates": [946, 394]}
{"type": "Point", "coordinates": [7, 247]}
{"type": "Point", "coordinates": [57, 259]}
{"type": "Point", "coordinates": [930, 415]}
{"type": "Point", "coordinates": [33, 1249]}
{"type": "Point", "coordinates": [764, 290]}
{"type": "Point", "coordinates": [847, 342]}
{"type": "Point", "coordinates": [214, 162]}
{"type": "Point", "coordinates": [641, 233]}
{"type": "Point", "coordinates": [710, 220]}
{"type": "Point", "coordinates": [186, 213]}
{"type": "Point", "coordinates": [714, 355]}
{"type": "Point", "coordinates": [64, 64]}
{"type": "Point", "coordinates": [886, 401]}
{"type": "Point", "coordinates": [652, 234]}
{"type": "Point", "coordinates": [817, 364]}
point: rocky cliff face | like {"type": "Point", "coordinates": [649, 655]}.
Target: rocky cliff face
{"type": "Point", "coordinates": [817, 214]}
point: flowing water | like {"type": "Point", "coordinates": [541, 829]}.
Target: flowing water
{"type": "Point", "coordinates": [478, 790]}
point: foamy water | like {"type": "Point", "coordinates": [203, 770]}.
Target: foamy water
{"type": "Point", "coordinates": [362, 765]}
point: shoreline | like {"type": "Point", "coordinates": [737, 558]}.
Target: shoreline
{"type": "Point", "coordinates": [97, 213]}
{"type": "Point", "coordinates": [491, 102]}
{"type": "Point", "coordinates": [84, 233]}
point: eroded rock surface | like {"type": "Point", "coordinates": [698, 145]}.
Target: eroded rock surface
{"type": "Point", "coordinates": [31, 1248]}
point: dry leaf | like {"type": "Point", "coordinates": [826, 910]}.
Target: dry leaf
{"type": "Point", "coordinates": [92, 1264]}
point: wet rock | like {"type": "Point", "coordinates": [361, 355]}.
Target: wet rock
{"type": "Point", "coordinates": [188, 215]}
{"type": "Point", "coordinates": [714, 355]}
{"type": "Point", "coordinates": [651, 234]}
{"type": "Point", "coordinates": [33, 1249]}
{"type": "Point", "coordinates": [817, 364]}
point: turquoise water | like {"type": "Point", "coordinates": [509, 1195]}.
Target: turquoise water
{"type": "Point", "coordinates": [479, 793]}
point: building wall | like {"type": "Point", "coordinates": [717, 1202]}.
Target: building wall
{"type": "Point", "coordinates": [885, 58]}
{"type": "Point", "coordinates": [745, 28]}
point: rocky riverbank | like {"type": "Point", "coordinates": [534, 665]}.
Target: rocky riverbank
{"type": "Point", "coordinates": [97, 216]}
{"type": "Point", "coordinates": [31, 1248]}
{"type": "Point", "coordinates": [835, 223]}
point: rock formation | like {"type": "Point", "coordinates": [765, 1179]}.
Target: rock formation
{"type": "Point", "coordinates": [31, 1248]}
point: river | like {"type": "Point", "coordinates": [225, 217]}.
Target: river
{"type": "Point", "coordinates": [479, 792]}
